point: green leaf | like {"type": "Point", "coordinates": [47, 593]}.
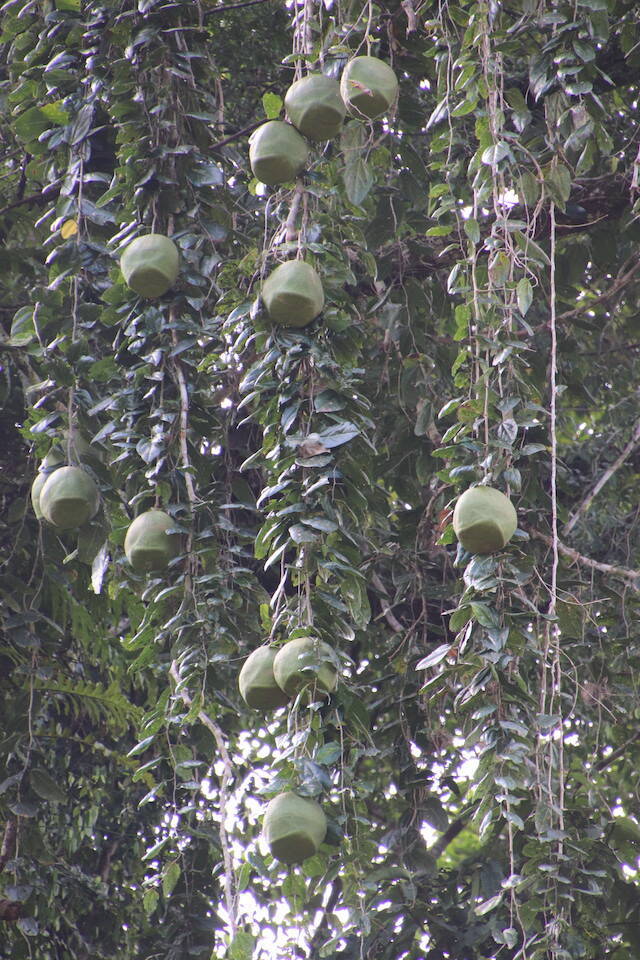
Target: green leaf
{"type": "Point", "coordinates": [358, 180]}
{"type": "Point", "coordinates": [584, 50]}
{"type": "Point", "coordinates": [558, 182]}
{"type": "Point", "coordinates": [22, 328]}
{"type": "Point", "coordinates": [150, 900]}
{"type": "Point", "coordinates": [170, 877]}
{"type": "Point", "coordinates": [336, 436]}
{"type": "Point", "coordinates": [141, 747]}
{"type": "Point", "coordinates": [243, 877]}
{"type": "Point", "coordinates": [487, 905]}
{"type": "Point", "coordinates": [31, 124]}
{"type": "Point", "coordinates": [436, 655]}
{"type": "Point", "coordinates": [450, 407]}
{"type": "Point", "coordinates": [329, 753]}
{"type": "Point", "coordinates": [272, 105]}
{"type": "Point", "coordinates": [242, 946]}
{"type": "Point", "coordinates": [435, 814]}
{"type": "Point", "coordinates": [525, 295]}
{"type": "Point", "coordinates": [472, 230]}
{"type": "Point", "coordinates": [45, 786]}
{"type": "Point", "coordinates": [528, 189]}
{"type": "Point", "coordinates": [531, 249]}
{"type": "Point", "coordinates": [206, 175]}
{"type": "Point", "coordinates": [484, 614]}
{"type": "Point", "coordinates": [300, 534]}
{"type": "Point", "coordinates": [496, 153]}
{"type": "Point", "coordinates": [355, 596]}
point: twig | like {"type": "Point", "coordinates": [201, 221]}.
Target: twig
{"type": "Point", "coordinates": [388, 614]}
{"type": "Point", "coordinates": [336, 890]}
{"type": "Point", "coordinates": [233, 136]}
{"type": "Point", "coordinates": [8, 848]}
{"type": "Point", "coordinates": [621, 281]}
{"type": "Point", "coordinates": [412, 19]}
{"type": "Point", "coordinates": [291, 231]}
{"type": "Point", "coordinates": [184, 426]}
{"type": "Point", "coordinates": [616, 754]}
{"type": "Point", "coordinates": [214, 729]}
{"type": "Point", "coordinates": [632, 576]}
{"type": "Point", "coordinates": [586, 502]}
{"type": "Point", "coordinates": [452, 831]}
{"type": "Point", "coordinates": [233, 6]}
{"type": "Point", "coordinates": [52, 190]}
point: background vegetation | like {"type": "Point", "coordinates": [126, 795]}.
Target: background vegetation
{"type": "Point", "coordinates": [478, 763]}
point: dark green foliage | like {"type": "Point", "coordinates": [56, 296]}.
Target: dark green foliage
{"type": "Point", "coordinates": [488, 703]}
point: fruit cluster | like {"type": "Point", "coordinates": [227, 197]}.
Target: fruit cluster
{"type": "Point", "coordinates": [65, 492]}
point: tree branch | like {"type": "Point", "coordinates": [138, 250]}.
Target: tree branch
{"type": "Point", "coordinates": [223, 8]}
{"type": "Point", "coordinates": [623, 278]}
{"type": "Point", "coordinates": [624, 573]}
{"type": "Point", "coordinates": [447, 837]}
{"type": "Point", "coordinates": [51, 191]}
{"type": "Point", "coordinates": [586, 502]}
{"type": "Point", "coordinates": [10, 910]}
{"type": "Point", "coordinates": [234, 136]}
{"type": "Point", "coordinates": [387, 612]}
{"type": "Point", "coordinates": [8, 848]}
{"type": "Point", "coordinates": [616, 754]}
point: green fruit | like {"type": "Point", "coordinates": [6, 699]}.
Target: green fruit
{"type": "Point", "coordinates": [257, 683]}
{"type": "Point", "coordinates": [484, 520]}
{"type": "Point", "coordinates": [148, 545]}
{"type": "Point", "coordinates": [368, 87]}
{"type": "Point", "coordinates": [277, 152]}
{"type": "Point", "coordinates": [305, 662]}
{"type": "Point", "coordinates": [294, 827]}
{"type": "Point", "coordinates": [315, 107]}
{"type": "Point", "coordinates": [150, 265]}
{"type": "Point", "coordinates": [69, 497]}
{"type": "Point", "coordinates": [293, 294]}
{"type": "Point", "coordinates": [36, 490]}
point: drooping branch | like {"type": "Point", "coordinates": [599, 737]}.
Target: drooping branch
{"type": "Point", "coordinates": [616, 754]}
{"type": "Point", "coordinates": [225, 7]}
{"type": "Point", "coordinates": [632, 577]}
{"type": "Point", "coordinates": [586, 502]}
{"type": "Point", "coordinates": [235, 136]}
{"type": "Point", "coordinates": [625, 275]}
{"type": "Point", "coordinates": [50, 191]}
{"type": "Point", "coordinates": [387, 612]}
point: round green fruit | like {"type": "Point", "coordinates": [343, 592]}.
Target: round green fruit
{"type": "Point", "coordinates": [69, 497]}
{"type": "Point", "coordinates": [368, 87]}
{"type": "Point", "coordinates": [257, 683]}
{"type": "Point", "coordinates": [293, 294]}
{"type": "Point", "coordinates": [150, 265]}
{"type": "Point", "coordinates": [36, 490]}
{"type": "Point", "coordinates": [315, 107]}
{"type": "Point", "coordinates": [305, 662]}
{"type": "Point", "coordinates": [277, 153]}
{"type": "Point", "coordinates": [148, 545]}
{"type": "Point", "coordinates": [484, 520]}
{"type": "Point", "coordinates": [294, 827]}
